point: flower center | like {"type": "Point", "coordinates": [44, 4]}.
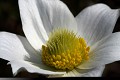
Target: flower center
{"type": "Point", "coordinates": [64, 50]}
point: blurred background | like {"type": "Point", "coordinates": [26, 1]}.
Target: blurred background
{"type": "Point", "coordinates": [10, 21]}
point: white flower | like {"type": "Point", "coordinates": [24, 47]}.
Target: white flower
{"type": "Point", "coordinates": [39, 17]}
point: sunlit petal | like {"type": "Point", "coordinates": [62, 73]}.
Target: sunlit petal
{"type": "Point", "coordinates": [40, 17]}
{"type": "Point", "coordinates": [96, 22]}
{"type": "Point", "coordinates": [11, 47]}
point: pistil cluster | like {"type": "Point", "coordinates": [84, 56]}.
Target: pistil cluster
{"type": "Point", "coordinates": [64, 50]}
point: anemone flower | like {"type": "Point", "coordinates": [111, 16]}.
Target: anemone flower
{"type": "Point", "coordinates": [59, 45]}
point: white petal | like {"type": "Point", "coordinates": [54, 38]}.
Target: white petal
{"type": "Point", "coordinates": [55, 14]}
{"type": "Point", "coordinates": [96, 22]}
{"type": "Point", "coordinates": [11, 48]}
{"type": "Point", "coordinates": [95, 72]}
{"type": "Point", "coordinates": [32, 24]}
{"type": "Point", "coordinates": [30, 67]}
{"type": "Point", "coordinates": [104, 52]}
{"type": "Point", "coordinates": [40, 17]}
{"type": "Point", "coordinates": [34, 56]}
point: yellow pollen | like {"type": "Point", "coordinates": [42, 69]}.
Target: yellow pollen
{"type": "Point", "coordinates": [64, 50]}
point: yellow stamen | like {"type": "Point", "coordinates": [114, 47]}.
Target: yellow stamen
{"type": "Point", "coordinates": [64, 50]}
